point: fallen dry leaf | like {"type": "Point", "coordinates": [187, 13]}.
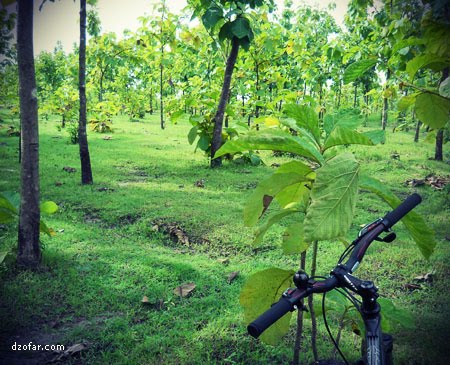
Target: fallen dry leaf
{"type": "Point", "coordinates": [412, 287]}
{"type": "Point", "coordinates": [232, 276]}
{"type": "Point", "coordinates": [145, 300]}
{"type": "Point", "coordinates": [200, 183]}
{"type": "Point", "coordinates": [69, 169]}
{"type": "Point", "coordinates": [184, 290]}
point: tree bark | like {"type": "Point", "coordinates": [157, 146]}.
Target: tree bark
{"type": "Point", "coordinates": [218, 118]}
{"type": "Point", "coordinates": [417, 133]}
{"type": "Point", "coordinates": [29, 254]}
{"type": "Point", "coordinates": [385, 112]}
{"type": "Point", "coordinates": [438, 155]}
{"type": "Point", "coordinates": [86, 171]}
{"type": "Point", "coordinates": [299, 331]}
{"type": "Point", "coordinates": [311, 306]}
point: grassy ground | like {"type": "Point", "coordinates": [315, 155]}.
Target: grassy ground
{"type": "Point", "coordinates": [107, 255]}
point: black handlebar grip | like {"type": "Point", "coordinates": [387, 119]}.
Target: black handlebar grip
{"type": "Point", "coordinates": [404, 208]}
{"type": "Point", "coordinates": [273, 314]}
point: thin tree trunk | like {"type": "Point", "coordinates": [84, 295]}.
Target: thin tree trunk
{"type": "Point", "coordinates": [258, 98]}
{"type": "Point", "coordinates": [218, 118]}
{"type": "Point", "coordinates": [161, 109]}
{"type": "Point", "coordinates": [416, 135]}
{"type": "Point", "coordinates": [29, 254]}
{"type": "Point", "coordinates": [338, 336]}
{"type": "Point", "coordinates": [86, 171]}
{"type": "Point", "coordinates": [339, 95]}
{"type": "Point", "coordinates": [151, 102]}
{"type": "Point", "coordinates": [311, 306]}
{"type": "Point", "coordinates": [355, 95]}
{"type": "Point", "coordinates": [385, 113]}
{"type": "Point", "coordinates": [100, 91]}
{"type": "Point", "coordinates": [320, 103]}
{"type": "Point", "coordinates": [438, 155]}
{"type": "Point", "coordinates": [299, 331]}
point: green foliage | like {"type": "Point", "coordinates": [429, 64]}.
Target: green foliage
{"type": "Point", "coordinates": [9, 211]}
{"type": "Point", "coordinates": [72, 129]}
{"type": "Point", "coordinates": [432, 109]}
{"type": "Point", "coordinates": [333, 198]}
{"type": "Point", "coordinates": [272, 139]}
{"type": "Point", "coordinates": [357, 69]}
{"type": "Point", "coordinates": [260, 291]}
{"type": "Point", "coordinates": [422, 234]}
{"type": "Point", "coordinates": [100, 120]}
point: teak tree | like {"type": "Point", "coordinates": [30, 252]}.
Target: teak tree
{"type": "Point", "coordinates": [228, 18]}
{"type": "Point", "coordinates": [86, 170]}
{"type": "Point", "coordinates": [29, 254]}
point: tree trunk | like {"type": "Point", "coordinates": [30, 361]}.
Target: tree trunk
{"type": "Point", "coordinates": [311, 306]}
{"type": "Point", "coordinates": [100, 90]}
{"type": "Point", "coordinates": [161, 109]}
{"type": "Point", "coordinates": [299, 331]}
{"type": "Point", "coordinates": [384, 115]}
{"type": "Point", "coordinates": [86, 171]}
{"type": "Point", "coordinates": [218, 118]}
{"type": "Point", "coordinates": [29, 254]}
{"type": "Point", "coordinates": [339, 95]}
{"type": "Point", "coordinates": [355, 95]}
{"type": "Point", "coordinates": [416, 135]}
{"type": "Point", "coordinates": [320, 103]}
{"type": "Point", "coordinates": [258, 97]}
{"type": "Point", "coordinates": [151, 102]}
{"type": "Point", "coordinates": [438, 156]}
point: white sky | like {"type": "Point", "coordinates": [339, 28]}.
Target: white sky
{"type": "Point", "coordinates": [59, 20]}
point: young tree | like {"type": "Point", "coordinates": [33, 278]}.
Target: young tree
{"type": "Point", "coordinates": [86, 170]}
{"type": "Point", "coordinates": [228, 18]}
{"type": "Point", "coordinates": [29, 254]}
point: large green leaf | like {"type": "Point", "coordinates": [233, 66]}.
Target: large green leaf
{"type": "Point", "coordinates": [433, 110]}
{"type": "Point", "coordinates": [10, 200]}
{"type": "Point", "coordinates": [262, 290]}
{"type": "Point", "coordinates": [192, 135]}
{"type": "Point", "coordinates": [406, 101]}
{"type": "Point", "coordinates": [305, 117]}
{"type": "Point", "coordinates": [333, 199]}
{"type": "Point", "coordinates": [271, 220]}
{"type": "Point", "coordinates": [376, 136]}
{"type": "Point", "coordinates": [7, 216]}
{"type": "Point", "coordinates": [427, 60]}
{"type": "Point", "coordinates": [295, 195]}
{"type": "Point", "coordinates": [266, 190]}
{"type": "Point", "coordinates": [271, 139]}
{"type": "Point", "coordinates": [241, 27]}
{"type": "Point", "coordinates": [341, 136]}
{"type": "Point", "coordinates": [418, 229]}
{"type": "Point", "coordinates": [357, 69]}
{"type": "Point", "coordinates": [294, 239]}
{"type": "Point", "coordinates": [392, 314]}
{"type": "Point", "coordinates": [212, 15]}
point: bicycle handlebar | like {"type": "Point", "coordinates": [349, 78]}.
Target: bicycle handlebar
{"type": "Point", "coordinates": [269, 317]}
{"type": "Point", "coordinates": [404, 208]}
{"type": "Point", "coordinates": [292, 297]}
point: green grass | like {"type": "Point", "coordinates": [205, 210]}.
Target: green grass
{"type": "Point", "coordinates": [106, 256]}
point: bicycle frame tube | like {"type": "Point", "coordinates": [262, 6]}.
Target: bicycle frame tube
{"type": "Point", "coordinates": [373, 351]}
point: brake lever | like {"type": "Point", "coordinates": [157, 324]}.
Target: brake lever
{"type": "Point", "coordinates": [388, 238]}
